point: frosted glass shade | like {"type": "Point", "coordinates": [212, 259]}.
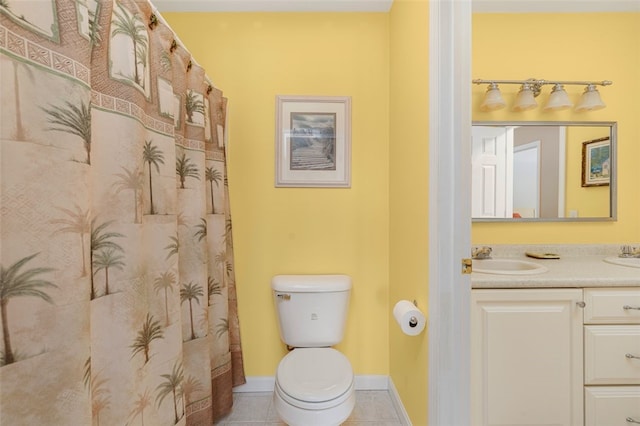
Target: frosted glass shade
{"type": "Point", "coordinates": [558, 100]}
{"type": "Point", "coordinates": [590, 100]}
{"type": "Point", "coordinates": [525, 100]}
{"type": "Point", "coordinates": [492, 99]}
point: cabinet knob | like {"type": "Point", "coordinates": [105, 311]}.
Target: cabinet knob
{"type": "Point", "coordinates": [627, 307]}
{"type": "Point", "coordinates": [632, 420]}
{"type": "Point", "coordinates": [581, 304]}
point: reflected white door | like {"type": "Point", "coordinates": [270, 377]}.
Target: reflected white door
{"type": "Point", "coordinates": [526, 179]}
{"type": "Point", "coordinates": [492, 172]}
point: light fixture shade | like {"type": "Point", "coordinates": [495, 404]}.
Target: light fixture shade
{"type": "Point", "coordinates": [590, 100]}
{"type": "Point", "coordinates": [492, 99]}
{"type": "Point", "coordinates": [525, 100]}
{"type": "Point", "coordinates": [558, 99]}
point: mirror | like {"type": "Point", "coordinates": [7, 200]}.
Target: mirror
{"type": "Point", "coordinates": [543, 171]}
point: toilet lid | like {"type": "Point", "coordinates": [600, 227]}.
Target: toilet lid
{"type": "Point", "coordinates": [314, 374]}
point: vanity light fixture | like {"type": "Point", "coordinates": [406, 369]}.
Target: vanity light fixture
{"type": "Point", "coordinates": [558, 99]}
{"type": "Point", "coordinates": [590, 100]}
{"type": "Point", "coordinates": [492, 99]}
{"type": "Point", "coordinates": [531, 88]}
{"type": "Point", "coordinates": [525, 100]}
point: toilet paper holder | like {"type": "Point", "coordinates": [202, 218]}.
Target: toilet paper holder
{"type": "Point", "coordinates": [413, 321]}
{"type": "Point", "coordinates": [409, 317]}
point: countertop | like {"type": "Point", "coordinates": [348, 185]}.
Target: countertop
{"type": "Point", "coordinates": [578, 266]}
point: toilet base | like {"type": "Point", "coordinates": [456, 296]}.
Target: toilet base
{"type": "Point", "coordinates": [296, 416]}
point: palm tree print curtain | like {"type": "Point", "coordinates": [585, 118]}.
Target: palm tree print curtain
{"type": "Point", "coordinates": [117, 289]}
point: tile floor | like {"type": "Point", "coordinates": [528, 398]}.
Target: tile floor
{"type": "Point", "coordinates": [373, 408]}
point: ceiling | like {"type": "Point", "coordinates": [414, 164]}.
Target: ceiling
{"type": "Point", "coordinates": [273, 5]}
{"type": "Point", "coordinates": [480, 6]}
{"type": "Point", "coordinates": [533, 6]}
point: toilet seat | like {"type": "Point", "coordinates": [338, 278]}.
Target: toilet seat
{"type": "Point", "coordinates": [314, 378]}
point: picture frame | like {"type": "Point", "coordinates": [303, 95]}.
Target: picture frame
{"type": "Point", "coordinates": [313, 141]}
{"type": "Point", "coordinates": [596, 162]}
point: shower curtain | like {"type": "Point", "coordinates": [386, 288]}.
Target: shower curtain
{"type": "Point", "coordinates": [117, 292]}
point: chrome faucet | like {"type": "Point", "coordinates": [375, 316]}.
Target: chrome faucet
{"type": "Point", "coordinates": [483, 252]}
{"type": "Point", "coordinates": [629, 251]}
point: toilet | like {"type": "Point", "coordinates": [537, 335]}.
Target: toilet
{"type": "Point", "coordinates": [314, 383]}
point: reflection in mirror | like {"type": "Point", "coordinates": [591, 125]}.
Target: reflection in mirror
{"type": "Point", "coordinates": [543, 171]}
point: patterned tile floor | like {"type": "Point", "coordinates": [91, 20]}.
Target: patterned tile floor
{"type": "Point", "coordinates": [373, 408]}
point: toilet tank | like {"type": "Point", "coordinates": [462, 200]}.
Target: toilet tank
{"type": "Point", "coordinates": [311, 309]}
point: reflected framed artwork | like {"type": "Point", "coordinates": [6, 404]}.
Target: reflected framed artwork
{"type": "Point", "coordinates": [596, 162]}
{"type": "Point", "coordinates": [313, 141]}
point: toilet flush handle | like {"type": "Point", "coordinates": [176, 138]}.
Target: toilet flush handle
{"type": "Point", "coordinates": [284, 296]}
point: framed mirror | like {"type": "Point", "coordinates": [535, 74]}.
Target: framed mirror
{"type": "Point", "coordinates": [543, 171]}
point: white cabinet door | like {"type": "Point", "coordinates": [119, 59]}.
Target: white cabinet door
{"type": "Point", "coordinates": [526, 357]}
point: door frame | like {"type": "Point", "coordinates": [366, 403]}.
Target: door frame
{"type": "Point", "coordinates": [449, 218]}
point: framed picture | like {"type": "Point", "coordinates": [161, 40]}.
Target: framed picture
{"type": "Point", "coordinates": [596, 162]}
{"type": "Point", "coordinates": [313, 141]}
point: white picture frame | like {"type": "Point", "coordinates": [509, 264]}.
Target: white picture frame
{"type": "Point", "coordinates": [313, 141]}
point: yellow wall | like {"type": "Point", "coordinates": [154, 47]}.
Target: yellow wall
{"type": "Point", "coordinates": [591, 46]}
{"type": "Point", "coordinates": [408, 195]}
{"type": "Point", "coordinates": [253, 57]}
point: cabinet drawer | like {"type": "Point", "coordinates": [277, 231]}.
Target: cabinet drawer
{"type": "Point", "coordinates": [611, 405]}
{"type": "Point", "coordinates": [612, 306]}
{"type": "Point", "coordinates": [609, 352]}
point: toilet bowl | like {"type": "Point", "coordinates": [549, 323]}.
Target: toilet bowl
{"type": "Point", "coordinates": [314, 387]}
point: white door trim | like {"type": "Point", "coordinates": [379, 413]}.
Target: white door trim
{"type": "Point", "coordinates": [449, 211]}
{"type": "Point", "coordinates": [562, 170]}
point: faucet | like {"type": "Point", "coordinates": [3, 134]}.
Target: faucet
{"type": "Point", "coordinates": [481, 252]}
{"type": "Point", "coordinates": [629, 251]}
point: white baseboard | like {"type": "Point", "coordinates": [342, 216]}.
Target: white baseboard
{"type": "Point", "coordinates": [397, 403]}
{"type": "Point", "coordinates": [257, 384]}
{"type": "Point", "coordinates": [267, 383]}
{"type": "Point", "coordinates": [371, 382]}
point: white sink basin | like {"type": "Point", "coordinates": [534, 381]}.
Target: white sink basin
{"type": "Point", "coordinates": [632, 262]}
{"type": "Point", "coordinates": [507, 267]}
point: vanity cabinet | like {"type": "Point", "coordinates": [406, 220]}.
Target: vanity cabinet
{"type": "Point", "coordinates": [527, 357]}
{"type": "Point", "coordinates": [555, 356]}
{"type": "Point", "coordinates": [612, 356]}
